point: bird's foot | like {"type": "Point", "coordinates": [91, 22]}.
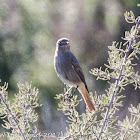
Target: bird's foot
{"type": "Point", "coordinates": [73, 92]}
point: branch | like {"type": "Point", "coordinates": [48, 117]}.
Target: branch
{"type": "Point", "coordinates": [29, 121]}
{"type": "Point", "coordinates": [13, 117]}
{"type": "Point", "coordinates": [103, 127]}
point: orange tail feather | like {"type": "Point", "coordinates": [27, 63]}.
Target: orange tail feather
{"type": "Point", "coordinates": [86, 97]}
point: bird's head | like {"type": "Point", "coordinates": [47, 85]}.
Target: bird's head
{"type": "Point", "coordinates": [63, 44]}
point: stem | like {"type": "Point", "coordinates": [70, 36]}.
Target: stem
{"type": "Point", "coordinates": [13, 117]}
{"type": "Point", "coordinates": [103, 127]}
{"type": "Point", "coordinates": [123, 137]}
{"type": "Point", "coordinates": [29, 121]}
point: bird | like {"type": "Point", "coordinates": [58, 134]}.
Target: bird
{"type": "Point", "coordinates": [69, 71]}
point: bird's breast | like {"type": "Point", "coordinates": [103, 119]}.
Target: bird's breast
{"type": "Point", "coordinates": [65, 70]}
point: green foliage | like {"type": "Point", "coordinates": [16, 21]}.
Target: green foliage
{"type": "Point", "coordinates": [19, 116]}
{"type": "Point", "coordinates": [130, 127]}
{"type": "Point", "coordinates": [119, 73]}
{"type": "Point", "coordinates": [79, 125]}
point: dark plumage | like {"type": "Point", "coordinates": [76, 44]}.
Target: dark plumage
{"type": "Point", "coordinates": [69, 71]}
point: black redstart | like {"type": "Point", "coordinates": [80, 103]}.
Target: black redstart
{"type": "Point", "coordinates": [69, 71]}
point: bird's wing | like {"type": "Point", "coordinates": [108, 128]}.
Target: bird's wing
{"type": "Point", "coordinates": [78, 69]}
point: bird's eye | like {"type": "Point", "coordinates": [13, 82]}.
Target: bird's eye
{"type": "Point", "coordinates": [60, 43]}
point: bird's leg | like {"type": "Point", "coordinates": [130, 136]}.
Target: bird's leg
{"type": "Point", "coordinates": [66, 93]}
{"type": "Point", "coordinates": [69, 90]}
{"type": "Point", "coordinates": [73, 92]}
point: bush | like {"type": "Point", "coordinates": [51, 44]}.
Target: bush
{"type": "Point", "coordinates": [103, 124]}
{"type": "Point", "coordinates": [19, 116]}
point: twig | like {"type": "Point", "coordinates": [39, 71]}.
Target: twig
{"type": "Point", "coordinates": [103, 127]}
{"type": "Point", "coordinates": [90, 125]}
{"type": "Point", "coordinates": [85, 127]}
{"type": "Point", "coordinates": [29, 121]}
{"type": "Point", "coordinates": [124, 134]}
{"type": "Point", "coordinates": [13, 117]}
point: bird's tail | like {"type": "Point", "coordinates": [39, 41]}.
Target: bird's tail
{"type": "Point", "coordinates": [82, 89]}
